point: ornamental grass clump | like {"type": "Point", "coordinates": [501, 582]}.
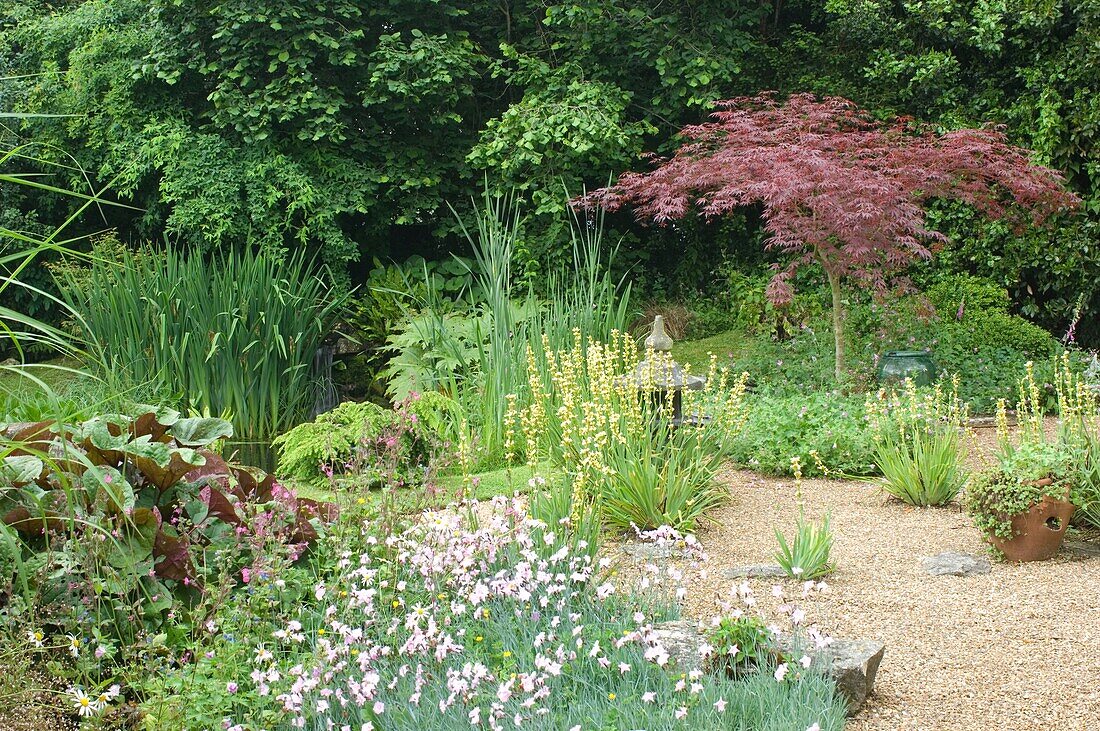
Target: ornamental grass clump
{"type": "Point", "coordinates": [234, 333]}
{"type": "Point", "coordinates": [918, 442]}
{"type": "Point", "coordinates": [806, 556]}
{"type": "Point", "coordinates": [593, 411]}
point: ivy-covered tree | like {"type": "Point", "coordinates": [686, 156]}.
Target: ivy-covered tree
{"type": "Point", "coordinates": [836, 187]}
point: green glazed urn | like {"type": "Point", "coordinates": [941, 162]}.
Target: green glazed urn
{"type": "Point", "coordinates": [897, 365]}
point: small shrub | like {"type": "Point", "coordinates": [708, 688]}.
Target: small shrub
{"type": "Point", "coordinates": [356, 437]}
{"type": "Point", "coordinates": [995, 496]}
{"type": "Point", "coordinates": [829, 423]}
{"type": "Point", "coordinates": [757, 314]}
{"type": "Point", "coordinates": [328, 441]}
{"type": "Point", "coordinates": [741, 646]}
{"type": "Point", "coordinates": [666, 480]}
{"type": "Point", "coordinates": [1033, 465]}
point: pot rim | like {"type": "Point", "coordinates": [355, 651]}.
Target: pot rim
{"type": "Point", "coordinates": [906, 353]}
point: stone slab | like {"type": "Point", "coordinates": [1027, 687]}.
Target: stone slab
{"type": "Point", "coordinates": [954, 563]}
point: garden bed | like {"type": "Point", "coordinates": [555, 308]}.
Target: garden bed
{"type": "Point", "coordinates": [1012, 649]}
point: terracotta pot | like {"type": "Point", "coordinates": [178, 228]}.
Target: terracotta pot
{"type": "Point", "coordinates": [1038, 533]}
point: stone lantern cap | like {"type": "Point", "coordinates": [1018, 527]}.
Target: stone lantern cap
{"type": "Point", "coordinates": [663, 373]}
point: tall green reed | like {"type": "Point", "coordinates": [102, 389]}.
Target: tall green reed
{"type": "Point", "coordinates": [234, 334]}
{"type": "Point", "coordinates": [584, 300]}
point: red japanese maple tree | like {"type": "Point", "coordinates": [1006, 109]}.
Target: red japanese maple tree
{"type": "Point", "coordinates": [836, 186]}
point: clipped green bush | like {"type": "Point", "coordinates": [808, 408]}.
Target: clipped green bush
{"type": "Point", "coordinates": [973, 295]}
{"type": "Point", "coordinates": [1000, 330]}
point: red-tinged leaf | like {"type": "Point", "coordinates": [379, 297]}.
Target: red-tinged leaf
{"type": "Point", "coordinates": [154, 423]}
{"type": "Point", "coordinates": [327, 512]}
{"type": "Point", "coordinates": [33, 438]}
{"type": "Point", "coordinates": [219, 505]}
{"type": "Point", "coordinates": [21, 519]}
{"type": "Point", "coordinates": [172, 557]}
{"type": "Point", "coordinates": [215, 470]}
{"type": "Point", "coordinates": [304, 532]}
{"type": "Point", "coordinates": [253, 485]}
{"type": "Point", "coordinates": [180, 463]}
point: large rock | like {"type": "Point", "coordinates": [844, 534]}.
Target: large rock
{"type": "Point", "coordinates": [852, 664]}
{"type": "Point", "coordinates": [683, 642]}
{"type": "Point", "coordinates": [648, 551]}
{"type": "Point", "coordinates": [952, 563]}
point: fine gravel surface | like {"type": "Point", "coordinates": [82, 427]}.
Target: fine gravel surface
{"type": "Point", "coordinates": [1015, 649]}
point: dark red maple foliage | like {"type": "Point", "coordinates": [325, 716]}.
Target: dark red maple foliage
{"type": "Point", "coordinates": [836, 186]}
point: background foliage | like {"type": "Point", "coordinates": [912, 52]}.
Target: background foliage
{"type": "Point", "coordinates": [342, 126]}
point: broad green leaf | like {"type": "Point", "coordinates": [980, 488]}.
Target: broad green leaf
{"type": "Point", "coordinates": [20, 470]}
{"type": "Point", "coordinates": [200, 431]}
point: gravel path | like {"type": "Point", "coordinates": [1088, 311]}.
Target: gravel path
{"type": "Point", "coordinates": [1015, 649]}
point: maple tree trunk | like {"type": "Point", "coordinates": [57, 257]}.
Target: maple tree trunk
{"type": "Point", "coordinates": [838, 321]}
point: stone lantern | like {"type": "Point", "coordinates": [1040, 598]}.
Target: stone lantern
{"type": "Point", "coordinates": [662, 378]}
